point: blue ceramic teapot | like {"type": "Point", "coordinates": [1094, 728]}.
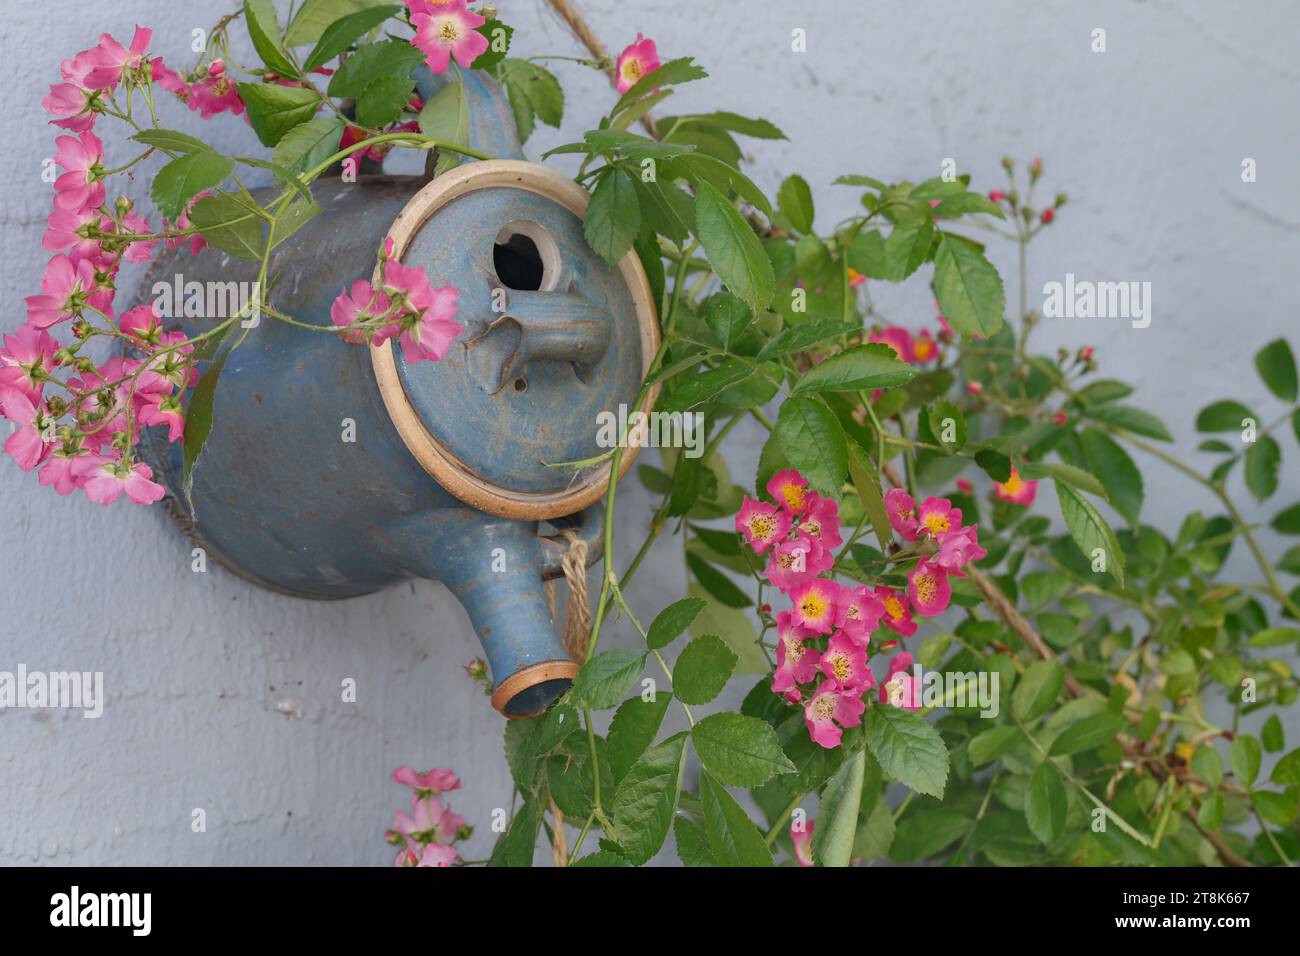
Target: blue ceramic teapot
{"type": "Point", "coordinates": [451, 465]}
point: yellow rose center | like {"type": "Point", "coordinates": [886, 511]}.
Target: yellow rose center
{"type": "Point", "coordinates": [449, 31]}
{"type": "Point", "coordinates": [1013, 484]}
{"type": "Point", "coordinates": [926, 587]}
{"type": "Point", "coordinates": [841, 667]}
{"type": "Point", "coordinates": [824, 707]}
{"type": "Point", "coordinates": [793, 496]}
{"type": "Point", "coordinates": [937, 523]}
{"type": "Point", "coordinates": [894, 606]}
{"type": "Point", "coordinates": [761, 526]}
{"type": "Point", "coordinates": [813, 606]}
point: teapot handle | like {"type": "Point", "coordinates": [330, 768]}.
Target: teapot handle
{"type": "Point", "coordinates": [492, 128]}
{"type": "Point", "coordinates": [587, 524]}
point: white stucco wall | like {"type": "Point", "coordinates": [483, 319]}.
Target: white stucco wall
{"type": "Point", "coordinates": [224, 697]}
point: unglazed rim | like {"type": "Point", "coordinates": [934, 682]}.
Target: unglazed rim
{"type": "Point", "coordinates": [445, 467]}
{"type": "Point", "coordinates": [531, 676]}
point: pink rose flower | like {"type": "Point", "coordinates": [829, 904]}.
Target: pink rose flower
{"type": "Point", "coordinates": [449, 32]}
{"type": "Point", "coordinates": [821, 521]}
{"type": "Point", "coordinates": [901, 508]}
{"type": "Point", "coordinates": [901, 688]}
{"type": "Point", "coordinates": [794, 562]}
{"type": "Point", "coordinates": [801, 835]}
{"type": "Point", "coordinates": [79, 188]}
{"type": "Point", "coordinates": [789, 489]}
{"type": "Point", "coordinates": [431, 781]}
{"type": "Point", "coordinates": [898, 339]}
{"type": "Point", "coordinates": [103, 479]}
{"type": "Point", "coordinates": [1016, 490]}
{"type": "Point", "coordinates": [637, 59]}
{"type": "Point", "coordinates": [30, 442]}
{"type": "Point", "coordinates": [959, 547]}
{"type": "Point", "coordinates": [796, 662]}
{"type": "Point", "coordinates": [27, 354]}
{"type": "Point", "coordinates": [857, 613]}
{"type": "Point", "coordinates": [897, 615]}
{"type": "Point", "coordinates": [845, 662]}
{"type": "Point", "coordinates": [814, 605]}
{"type": "Point", "coordinates": [937, 516]}
{"type": "Point", "coordinates": [929, 589]}
{"type": "Point", "coordinates": [830, 706]}
{"type": "Point", "coordinates": [761, 524]}
{"type": "Point", "coordinates": [109, 60]}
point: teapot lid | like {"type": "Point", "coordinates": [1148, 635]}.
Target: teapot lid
{"type": "Point", "coordinates": [555, 341]}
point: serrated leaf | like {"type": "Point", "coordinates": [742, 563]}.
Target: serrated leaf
{"type": "Point", "coordinates": [229, 225]}
{"type": "Point", "coordinates": [739, 751]}
{"type": "Point", "coordinates": [1089, 530]}
{"type": "Point", "coordinates": [170, 139]}
{"type": "Point", "coordinates": [924, 833]}
{"type": "Point", "coordinates": [1244, 756]}
{"type": "Point", "coordinates": [646, 799]}
{"type": "Point", "coordinates": [1276, 366]}
{"type": "Point", "coordinates": [867, 484]}
{"type": "Point", "coordinates": [673, 620]}
{"type": "Point", "coordinates": [185, 177]}
{"type": "Point", "coordinates": [837, 816]}
{"type": "Point", "coordinates": [702, 670]}
{"type": "Point", "coordinates": [264, 30]}
{"type": "Point", "coordinates": [968, 288]}
{"type": "Point", "coordinates": [812, 441]}
{"type": "Point", "coordinates": [633, 729]}
{"type": "Point", "coordinates": [692, 843]}
{"type": "Point", "coordinates": [870, 366]}
{"type": "Point", "coordinates": [342, 33]}
{"type": "Point", "coordinates": [1086, 734]}
{"type": "Point", "coordinates": [273, 110]}
{"type": "Point", "coordinates": [1263, 461]}
{"type": "Point", "coordinates": [1136, 420]}
{"type": "Point", "coordinates": [1046, 804]}
{"type": "Point", "coordinates": [309, 144]}
{"type": "Point", "coordinates": [315, 16]}
{"type": "Point", "coordinates": [613, 216]}
{"type": "Point", "coordinates": [606, 679]}
{"type": "Point", "coordinates": [1223, 416]}
{"type": "Point", "coordinates": [908, 749]}
{"type": "Point", "coordinates": [445, 116]}
{"type": "Point", "coordinates": [383, 101]}
{"type": "Point", "coordinates": [794, 199]}
{"type": "Point", "coordinates": [1117, 472]}
{"type": "Point", "coordinates": [734, 839]}
{"type": "Point", "coordinates": [987, 746]}
{"type": "Point", "coordinates": [1037, 690]}
{"type": "Point", "coordinates": [372, 61]}
{"type": "Point", "coordinates": [732, 248]}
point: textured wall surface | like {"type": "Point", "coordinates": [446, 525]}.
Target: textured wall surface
{"type": "Point", "coordinates": [226, 698]}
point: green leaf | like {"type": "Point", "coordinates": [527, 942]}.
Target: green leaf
{"type": "Point", "coordinates": [795, 201]}
{"type": "Point", "coordinates": [606, 679]}
{"type": "Point", "coordinates": [908, 246]}
{"type": "Point", "coordinates": [732, 248]}
{"type": "Point", "coordinates": [1276, 367]}
{"type": "Point", "coordinates": [1102, 391]}
{"type": "Point", "coordinates": [1271, 735]}
{"type": "Point", "coordinates": [1276, 808]}
{"type": "Point", "coordinates": [315, 16]}
{"type": "Point", "coordinates": [692, 843]}
{"type": "Point", "coordinates": [264, 31]}
{"type": "Point", "coordinates": [962, 204]}
{"type": "Point", "coordinates": [874, 365]}
{"type": "Point", "coordinates": [1244, 756]}
{"type": "Point", "coordinates": [309, 144]}
{"type": "Point", "coordinates": [1210, 816]}
{"type": "Point", "coordinates": [171, 140]}
{"type": "Point", "coordinates": [1086, 734]}
{"type": "Point", "coordinates": [516, 847]}
{"type": "Point", "coordinates": [546, 95]}
{"type": "Point", "coordinates": [273, 109]}
{"type": "Point", "coordinates": [734, 838]}
{"type": "Point", "coordinates": [613, 216]}
{"type": "Point", "coordinates": [1224, 416]}
{"type": "Point", "coordinates": [341, 34]}
{"type": "Point", "coordinates": [185, 177]}
{"type": "Point", "coordinates": [198, 418]}
{"type": "Point", "coordinates": [445, 116]}
{"type": "Point", "coordinates": [681, 70]}
{"type": "Point", "coordinates": [739, 751]}
{"type": "Point", "coordinates": [987, 746]}
{"type": "Point", "coordinates": [941, 413]}
{"type": "Point", "coordinates": [867, 484]}
{"type": "Point", "coordinates": [383, 101]}
{"type": "Point", "coordinates": [1136, 420]}
{"type": "Point", "coordinates": [1274, 637]}
{"type": "Point", "coordinates": [1287, 521]}
{"type": "Point", "coordinates": [706, 387]}
{"type": "Point", "coordinates": [837, 817]}
{"type": "Point", "coordinates": [1263, 460]}
{"type": "Point", "coordinates": [812, 440]}
{"type": "Point", "coordinates": [646, 799]}
{"type": "Point", "coordinates": [1037, 690]}
{"type": "Point", "coordinates": [1287, 771]}
{"type": "Point", "coordinates": [924, 833]}
{"type": "Point", "coordinates": [293, 218]}
{"type": "Point", "coordinates": [370, 63]}
{"type": "Point", "coordinates": [727, 317]}
{"type": "Point", "coordinates": [1062, 472]}
{"type": "Point", "coordinates": [1089, 530]}
{"type": "Point", "coordinates": [633, 729]}
{"type": "Point", "coordinates": [875, 832]}
{"type": "Point", "coordinates": [229, 225]}
{"type": "Point", "coordinates": [702, 670]}
{"type": "Point", "coordinates": [1119, 476]}
{"type": "Point", "coordinates": [1208, 765]}
{"type": "Point", "coordinates": [796, 338]}
{"type": "Point", "coordinates": [672, 620]}
{"type": "Point", "coordinates": [1046, 804]}
{"type": "Point", "coordinates": [994, 464]}
{"type": "Point", "coordinates": [968, 288]}
{"type": "Point", "coordinates": [908, 748]}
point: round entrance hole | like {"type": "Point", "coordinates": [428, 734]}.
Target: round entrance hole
{"type": "Point", "coordinates": [525, 257]}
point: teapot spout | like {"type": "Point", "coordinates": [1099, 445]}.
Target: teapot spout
{"type": "Point", "coordinates": [494, 566]}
